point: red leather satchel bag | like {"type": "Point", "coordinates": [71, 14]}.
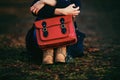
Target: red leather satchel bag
{"type": "Point", "coordinates": [55, 32]}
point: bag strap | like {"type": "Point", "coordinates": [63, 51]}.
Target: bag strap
{"type": "Point", "coordinates": [62, 25]}
{"type": "Point", "coordinates": [45, 32]}
{"type": "Point", "coordinates": [63, 28]}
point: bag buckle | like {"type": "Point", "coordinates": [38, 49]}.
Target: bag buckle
{"type": "Point", "coordinates": [63, 28]}
{"type": "Point", "coordinates": [45, 32]}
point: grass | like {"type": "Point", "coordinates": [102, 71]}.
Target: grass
{"type": "Point", "coordinates": [16, 65]}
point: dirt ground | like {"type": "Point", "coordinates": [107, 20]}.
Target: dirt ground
{"type": "Point", "coordinates": [99, 20]}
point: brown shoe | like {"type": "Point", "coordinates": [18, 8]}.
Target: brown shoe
{"type": "Point", "coordinates": [60, 55]}
{"type": "Point", "coordinates": [48, 56]}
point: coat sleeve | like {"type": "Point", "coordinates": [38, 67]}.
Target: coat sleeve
{"type": "Point", "coordinates": [76, 2]}
{"type": "Point", "coordinates": [46, 12]}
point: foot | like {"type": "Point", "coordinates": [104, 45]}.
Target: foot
{"type": "Point", "coordinates": [48, 56]}
{"type": "Point", "coordinates": [60, 55]}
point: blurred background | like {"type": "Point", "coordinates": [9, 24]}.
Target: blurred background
{"type": "Point", "coordinates": [15, 21]}
{"type": "Point", "coordinates": [99, 20]}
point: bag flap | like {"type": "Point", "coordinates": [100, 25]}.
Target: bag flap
{"type": "Point", "coordinates": [52, 21]}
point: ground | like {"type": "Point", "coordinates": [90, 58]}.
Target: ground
{"type": "Point", "coordinates": [99, 20]}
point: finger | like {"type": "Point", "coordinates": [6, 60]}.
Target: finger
{"type": "Point", "coordinates": [31, 8]}
{"type": "Point", "coordinates": [76, 12]}
{"type": "Point", "coordinates": [74, 16]}
{"type": "Point", "coordinates": [73, 5]}
{"type": "Point", "coordinates": [77, 8]}
{"type": "Point", "coordinates": [34, 10]}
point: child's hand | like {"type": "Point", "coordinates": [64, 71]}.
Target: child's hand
{"type": "Point", "coordinates": [40, 4]}
{"type": "Point", "coordinates": [36, 7]}
{"type": "Point", "coordinates": [71, 10]}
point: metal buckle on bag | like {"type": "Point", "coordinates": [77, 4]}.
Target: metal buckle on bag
{"type": "Point", "coordinates": [44, 29]}
{"type": "Point", "coordinates": [45, 32]}
{"type": "Point", "coordinates": [63, 28]}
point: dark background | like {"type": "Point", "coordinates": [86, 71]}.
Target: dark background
{"type": "Point", "coordinates": [100, 17]}
{"type": "Point", "coordinates": [99, 20]}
